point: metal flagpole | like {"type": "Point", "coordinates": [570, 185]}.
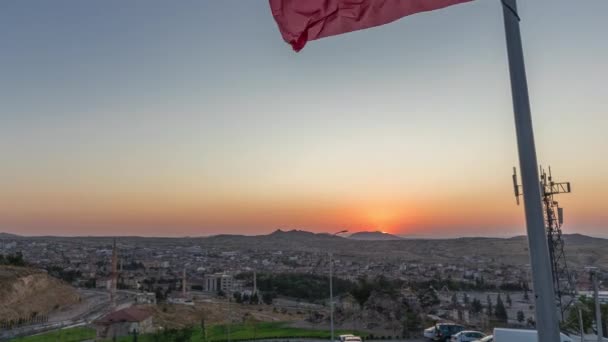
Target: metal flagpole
{"type": "Point", "coordinates": [331, 288]}
{"type": "Point", "coordinates": [331, 296]}
{"type": "Point", "coordinates": [546, 309]}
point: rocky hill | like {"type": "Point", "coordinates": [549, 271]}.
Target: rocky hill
{"type": "Point", "coordinates": [373, 236]}
{"type": "Point", "coordinates": [25, 292]}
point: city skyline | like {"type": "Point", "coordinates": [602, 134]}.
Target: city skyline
{"type": "Point", "coordinates": [195, 118]}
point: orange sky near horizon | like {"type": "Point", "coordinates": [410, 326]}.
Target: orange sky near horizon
{"type": "Point", "coordinates": [173, 214]}
{"type": "Point", "coordinates": [144, 123]}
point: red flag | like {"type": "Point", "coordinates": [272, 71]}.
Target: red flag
{"type": "Point", "coordinates": [304, 20]}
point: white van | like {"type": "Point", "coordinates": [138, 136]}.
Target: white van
{"type": "Point", "coordinates": [353, 339]}
{"type": "Point", "coordinates": [521, 335]}
{"type": "Point", "coordinates": [350, 338]}
{"type": "Point", "coordinates": [343, 337]}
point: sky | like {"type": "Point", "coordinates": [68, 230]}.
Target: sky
{"type": "Point", "coordinates": [193, 117]}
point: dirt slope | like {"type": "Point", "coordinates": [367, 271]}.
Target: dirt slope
{"type": "Point", "coordinates": [27, 291]}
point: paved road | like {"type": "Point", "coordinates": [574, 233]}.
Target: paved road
{"type": "Point", "coordinates": [319, 340]}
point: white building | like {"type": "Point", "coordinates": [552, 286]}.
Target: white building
{"type": "Point", "coordinates": [602, 295]}
{"type": "Point", "coordinates": [218, 281]}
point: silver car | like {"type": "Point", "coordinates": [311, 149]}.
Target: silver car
{"type": "Point", "coordinates": [467, 336]}
{"type": "Point", "coordinates": [429, 333]}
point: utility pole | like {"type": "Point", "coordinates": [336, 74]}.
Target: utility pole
{"type": "Point", "coordinates": [114, 275]}
{"type": "Point", "coordinates": [229, 318]}
{"type": "Point", "coordinates": [544, 295]}
{"type": "Point", "coordinates": [596, 298]}
{"type": "Point", "coordinates": [331, 288]}
{"type": "Point", "coordinates": [580, 322]}
{"type": "Point", "coordinates": [579, 306]}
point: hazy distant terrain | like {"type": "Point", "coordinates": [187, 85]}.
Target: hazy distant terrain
{"type": "Point", "coordinates": [374, 236]}
{"type": "Point", "coordinates": [581, 250]}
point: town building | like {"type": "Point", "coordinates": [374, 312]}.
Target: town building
{"type": "Point", "coordinates": [219, 281]}
{"type": "Point", "coordinates": [129, 321]}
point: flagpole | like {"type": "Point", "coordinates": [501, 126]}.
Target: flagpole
{"type": "Point", "coordinates": [546, 309]}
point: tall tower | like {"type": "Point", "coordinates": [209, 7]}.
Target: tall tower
{"type": "Point", "coordinates": [255, 284]}
{"type": "Point", "coordinates": [114, 277]}
{"type": "Point", "coordinates": [563, 280]}
{"type": "Point", "coordinates": [184, 283]}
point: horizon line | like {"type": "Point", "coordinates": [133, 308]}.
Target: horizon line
{"type": "Point", "coordinates": [402, 236]}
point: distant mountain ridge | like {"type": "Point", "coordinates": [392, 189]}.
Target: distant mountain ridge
{"type": "Point", "coordinates": [9, 236]}
{"type": "Point", "coordinates": [581, 250]}
{"type": "Point", "coordinates": [377, 235]}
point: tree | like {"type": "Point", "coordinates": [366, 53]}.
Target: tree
{"type": "Point", "coordinates": [476, 306]}
{"type": "Point", "coordinates": [238, 297]}
{"type": "Point", "coordinates": [489, 304]}
{"type": "Point", "coordinates": [159, 294]}
{"type": "Point", "coordinates": [255, 299]}
{"type": "Point", "coordinates": [587, 306]}
{"type": "Point", "coordinates": [520, 316]}
{"type": "Point", "coordinates": [13, 259]}
{"type": "Point", "coordinates": [500, 311]}
{"type": "Point", "coordinates": [428, 298]}
{"type": "Point", "coordinates": [526, 289]}
{"type": "Point", "coordinates": [530, 322]}
{"type": "Point", "coordinates": [509, 301]}
{"type": "Point", "coordinates": [362, 291]}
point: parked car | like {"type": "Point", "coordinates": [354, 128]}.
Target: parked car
{"type": "Point", "coordinates": [345, 336]}
{"type": "Point", "coordinates": [429, 332]}
{"type": "Point", "coordinates": [349, 338]}
{"type": "Point", "coordinates": [443, 331]}
{"type": "Point", "coordinates": [467, 336]}
{"type": "Point", "coordinates": [353, 339]}
{"type": "Point", "coordinates": [489, 338]}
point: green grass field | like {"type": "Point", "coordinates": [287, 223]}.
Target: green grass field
{"type": "Point", "coordinates": [214, 333]}
{"type": "Point", "coordinates": [66, 335]}
{"type": "Point", "coordinates": [263, 330]}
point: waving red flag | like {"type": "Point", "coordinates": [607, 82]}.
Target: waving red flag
{"type": "Point", "coordinates": [304, 20]}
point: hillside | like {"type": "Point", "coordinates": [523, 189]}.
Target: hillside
{"type": "Point", "coordinates": [581, 250]}
{"type": "Point", "coordinates": [377, 235]}
{"type": "Point", "coordinates": [27, 291]}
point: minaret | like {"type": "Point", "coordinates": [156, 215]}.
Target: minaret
{"type": "Point", "coordinates": [114, 278]}
{"type": "Point", "coordinates": [184, 283]}
{"type": "Point", "coordinates": [255, 284]}
{"type": "Point", "coordinates": [255, 288]}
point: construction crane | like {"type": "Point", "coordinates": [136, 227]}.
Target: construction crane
{"type": "Point", "coordinates": [563, 280]}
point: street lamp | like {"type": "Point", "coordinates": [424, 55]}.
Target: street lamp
{"type": "Point", "coordinates": [331, 289]}
{"type": "Point", "coordinates": [598, 313]}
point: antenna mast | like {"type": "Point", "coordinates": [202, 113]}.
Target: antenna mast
{"type": "Point", "coordinates": [563, 280]}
